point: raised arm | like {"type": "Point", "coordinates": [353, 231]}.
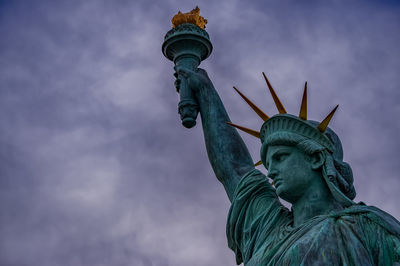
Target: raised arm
{"type": "Point", "coordinates": [226, 150]}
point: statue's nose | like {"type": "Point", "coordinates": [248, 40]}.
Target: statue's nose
{"type": "Point", "coordinates": [272, 173]}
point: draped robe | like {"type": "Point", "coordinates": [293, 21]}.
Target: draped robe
{"type": "Point", "coordinates": [260, 231]}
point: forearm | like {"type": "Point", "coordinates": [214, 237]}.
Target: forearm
{"type": "Point", "coordinates": [226, 150]}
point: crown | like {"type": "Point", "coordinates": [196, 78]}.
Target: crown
{"type": "Point", "coordinates": [287, 122]}
{"type": "Point", "coordinates": [192, 17]}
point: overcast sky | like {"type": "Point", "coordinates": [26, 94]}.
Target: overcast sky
{"type": "Point", "coordinates": [95, 166]}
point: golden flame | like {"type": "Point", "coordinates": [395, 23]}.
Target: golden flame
{"type": "Point", "coordinates": [192, 17]}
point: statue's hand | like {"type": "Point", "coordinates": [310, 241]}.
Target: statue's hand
{"type": "Point", "coordinates": [196, 80]}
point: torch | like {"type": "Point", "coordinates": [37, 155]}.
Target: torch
{"type": "Point", "coordinates": [187, 44]}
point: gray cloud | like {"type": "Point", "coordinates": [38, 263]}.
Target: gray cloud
{"type": "Point", "coordinates": [96, 168]}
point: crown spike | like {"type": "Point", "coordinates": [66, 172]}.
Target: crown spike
{"type": "Point", "coordinates": [258, 163]}
{"type": "Point", "coordinates": [324, 124]}
{"type": "Point", "coordinates": [247, 130]}
{"type": "Point", "coordinates": [303, 108]}
{"type": "Point", "coordinates": [253, 106]}
{"type": "Point", "coordinates": [278, 103]}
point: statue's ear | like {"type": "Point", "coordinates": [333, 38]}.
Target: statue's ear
{"type": "Point", "coordinates": [317, 160]}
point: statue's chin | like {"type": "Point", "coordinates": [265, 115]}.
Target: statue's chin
{"type": "Point", "coordinates": [283, 194]}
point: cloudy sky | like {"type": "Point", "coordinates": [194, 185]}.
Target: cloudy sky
{"type": "Point", "coordinates": [95, 166]}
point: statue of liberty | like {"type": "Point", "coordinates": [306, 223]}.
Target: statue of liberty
{"type": "Point", "coordinates": [304, 160]}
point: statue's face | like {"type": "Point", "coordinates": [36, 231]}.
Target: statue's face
{"type": "Point", "coordinates": [291, 170]}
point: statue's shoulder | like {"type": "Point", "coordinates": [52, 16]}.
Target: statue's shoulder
{"type": "Point", "coordinates": [374, 216]}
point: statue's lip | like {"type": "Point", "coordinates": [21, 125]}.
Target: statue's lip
{"type": "Point", "coordinates": [277, 182]}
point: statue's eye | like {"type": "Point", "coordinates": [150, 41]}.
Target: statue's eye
{"type": "Point", "coordinates": [282, 156]}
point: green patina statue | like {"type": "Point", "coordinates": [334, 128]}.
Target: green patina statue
{"type": "Point", "coordinates": [304, 160]}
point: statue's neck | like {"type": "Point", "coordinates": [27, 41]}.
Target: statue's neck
{"type": "Point", "coordinates": [318, 200]}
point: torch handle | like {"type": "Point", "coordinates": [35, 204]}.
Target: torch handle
{"type": "Point", "coordinates": [188, 107]}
